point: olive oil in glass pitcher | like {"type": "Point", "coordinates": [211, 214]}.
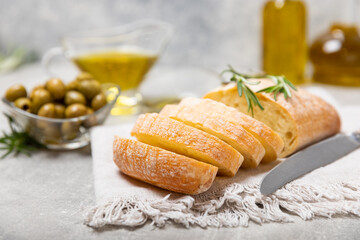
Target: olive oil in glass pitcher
{"type": "Point", "coordinates": [126, 67]}
{"type": "Point", "coordinates": [121, 55]}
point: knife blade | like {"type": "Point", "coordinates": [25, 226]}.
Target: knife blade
{"type": "Point", "coordinates": [312, 157]}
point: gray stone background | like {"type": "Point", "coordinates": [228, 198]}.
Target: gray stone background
{"type": "Point", "coordinates": [209, 33]}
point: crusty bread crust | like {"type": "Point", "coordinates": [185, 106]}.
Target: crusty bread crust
{"type": "Point", "coordinates": [162, 168]}
{"type": "Point", "coordinates": [271, 141]}
{"type": "Point", "coordinates": [219, 126]}
{"type": "Point", "coordinates": [175, 136]}
{"type": "Point", "coordinates": [300, 120]}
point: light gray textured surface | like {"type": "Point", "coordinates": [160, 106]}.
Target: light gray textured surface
{"type": "Point", "coordinates": [41, 197]}
{"type": "Point", "coordinates": [209, 33]}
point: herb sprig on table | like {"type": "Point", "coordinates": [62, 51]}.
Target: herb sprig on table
{"type": "Point", "coordinates": [281, 85]}
{"type": "Point", "coordinates": [17, 142]}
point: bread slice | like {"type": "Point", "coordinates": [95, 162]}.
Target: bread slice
{"type": "Point", "coordinates": [270, 140]}
{"type": "Point", "coordinates": [164, 132]}
{"type": "Point", "coordinates": [219, 126]}
{"type": "Point", "coordinates": [300, 120]}
{"type": "Point", "coordinates": [162, 168]}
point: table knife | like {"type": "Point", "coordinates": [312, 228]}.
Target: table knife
{"type": "Point", "coordinates": [312, 157]}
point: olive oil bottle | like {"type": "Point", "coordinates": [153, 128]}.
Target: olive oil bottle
{"type": "Point", "coordinates": [284, 39]}
{"type": "Point", "coordinates": [335, 54]}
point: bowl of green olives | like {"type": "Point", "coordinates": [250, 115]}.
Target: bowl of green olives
{"type": "Point", "coordinates": [60, 115]}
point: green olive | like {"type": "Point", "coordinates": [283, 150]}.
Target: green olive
{"type": "Point", "coordinates": [91, 120]}
{"type": "Point", "coordinates": [14, 92]}
{"type": "Point", "coordinates": [52, 135]}
{"type": "Point", "coordinates": [70, 130]}
{"type": "Point", "coordinates": [90, 88]}
{"type": "Point", "coordinates": [40, 97]}
{"type": "Point", "coordinates": [23, 103]}
{"type": "Point", "coordinates": [49, 132]}
{"type": "Point", "coordinates": [40, 86]}
{"type": "Point", "coordinates": [59, 110]}
{"type": "Point", "coordinates": [75, 110]}
{"type": "Point", "coordinates": [72, 97]}
{"type": "Point", "coordinates": [71, 85]}
{"type": "Point", "coordinates": [89, 111]}
{"type": "Point", "coordinates": [98, 101]}
{"type": "Point", "coordinates": [56, 87]}
{"type": "Point", "coordinates": [47, 110]}
{"type": "Point", "coordinates": [84, 76]}
{"type": "Point", "coordinates": [41, 125]}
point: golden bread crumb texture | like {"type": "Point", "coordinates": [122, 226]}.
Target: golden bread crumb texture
{"type": "Point", "coordinates": [219, 126]}
{"type": "Point", "coordinates": [300, 120]}
{"type": "Point", "coordinates": [162, 168]}
{"type": "Point", "coordinates": [164, 132]}
{"type": "Point", "coordinates": [270, 140]}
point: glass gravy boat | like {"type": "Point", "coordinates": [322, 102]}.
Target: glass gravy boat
{"type": "Point", "coordinates": [121, 55]}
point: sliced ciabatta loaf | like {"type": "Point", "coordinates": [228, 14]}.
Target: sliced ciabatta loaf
{"type": "Point", "coordinates": [271, 141]}
{"type": "Point", "coordinates": [164, 132]}
{"type": "Point", "coordinates": [162, 168]}
{"type": "Point", "coordinates": [300, 120]}
{"type": "Point", "coordinates": [219, 126]}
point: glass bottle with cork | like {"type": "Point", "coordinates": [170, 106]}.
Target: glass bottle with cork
{"type": "Point", "coordinates": [335, 55]}
{"type": "Point", "coordinates": [284, 39]}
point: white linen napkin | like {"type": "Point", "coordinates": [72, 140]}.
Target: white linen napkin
{"type": "Point", "coordinates": [325, 192]}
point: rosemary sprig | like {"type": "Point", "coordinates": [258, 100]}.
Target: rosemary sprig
{"type": "Point", "coordinates": [281, 85]}
{"type": "Point", "coordinates": [17, 141]}
{"type": "Point", "coordinates": [242, 82]}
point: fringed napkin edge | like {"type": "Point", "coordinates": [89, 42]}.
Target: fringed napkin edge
{"type": "Point", "coordinates": [234, 205]}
